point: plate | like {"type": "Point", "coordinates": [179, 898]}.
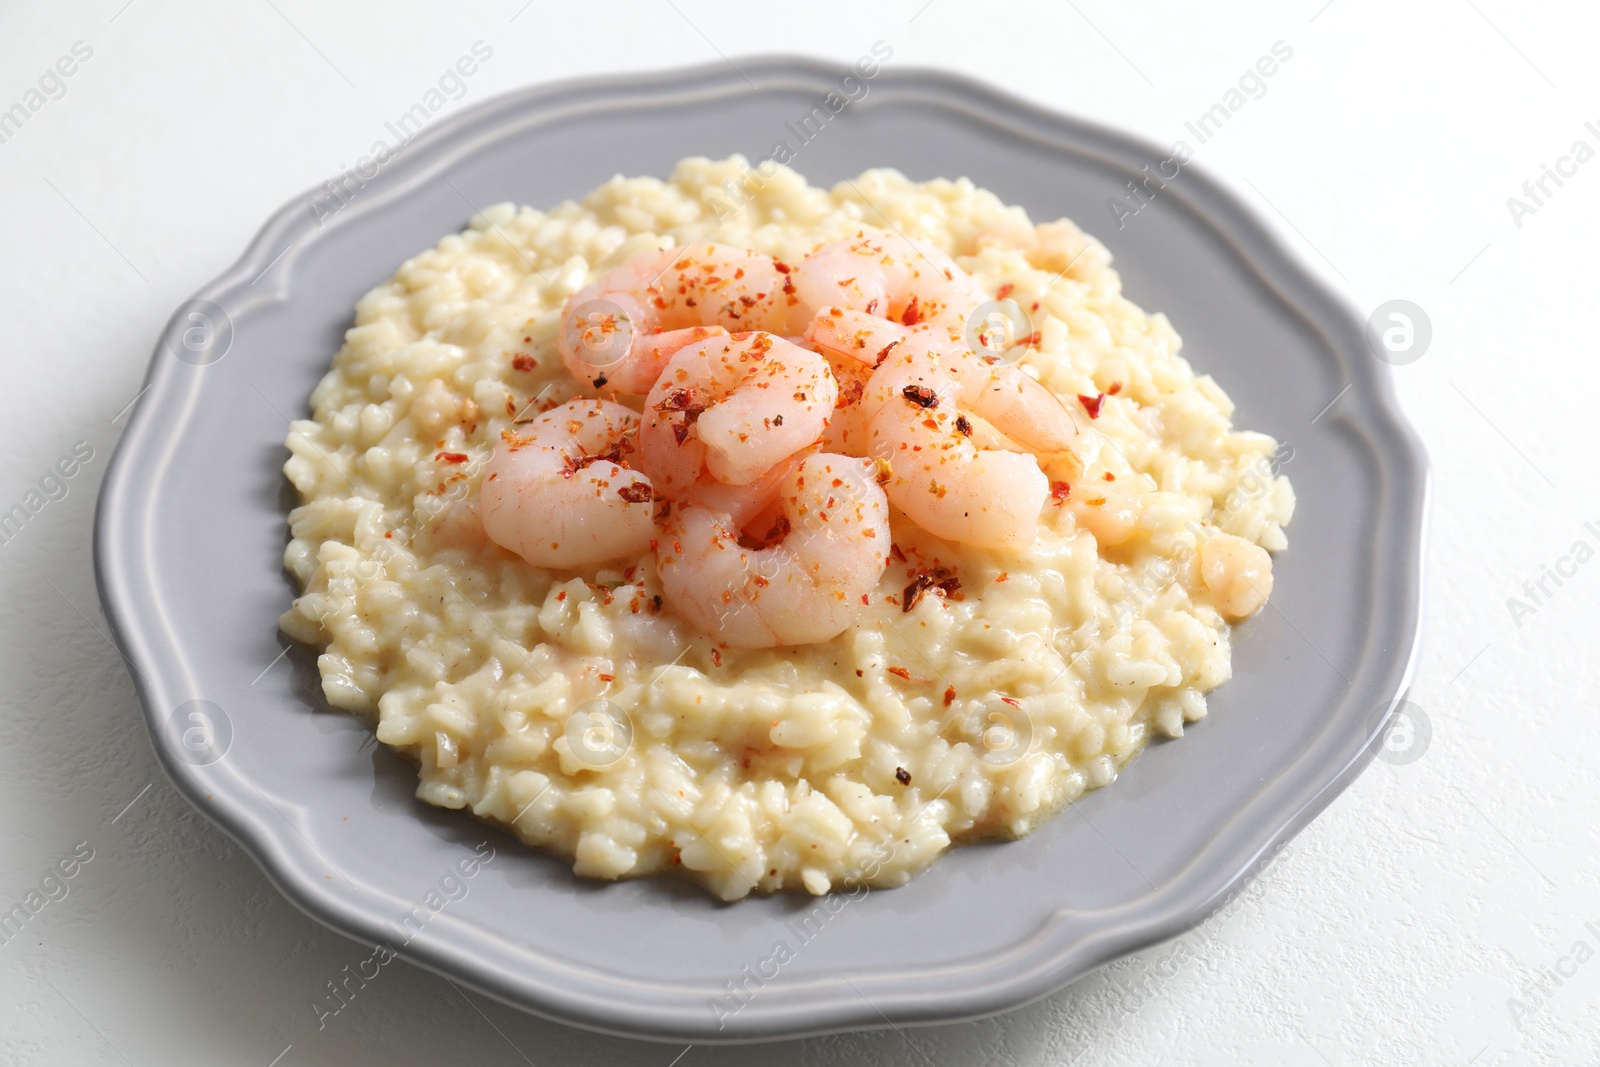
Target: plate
{"type": "Point", "coordinates": [191, 527]}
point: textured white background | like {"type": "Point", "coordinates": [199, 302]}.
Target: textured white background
{"type": "Point", "coordinates": [1396, 927]}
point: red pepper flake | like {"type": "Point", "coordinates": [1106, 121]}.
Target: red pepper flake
{"type": "Point", "coordinates": [865, 599]}
{"type": "Point", "coordinates": [781, 267]}
{"type": "Point", "coordinates": [894, 550]}
{"type": "Point", "coordinates": [902, 776]}
{"type": "Point", "coordinates": [451, 457]}
{"type": "Point", "coordinates": [388, 533]}
{"type": "Point", "coordinates": [912, 314]}
{"type": "Point", "coordinates": [561, 596]}
{"type": "Point", "coordinates": [899, 672]}
{"type": "Point", "coordinates": [654, 544]}
{"type": "Point", "coordinates": [523, 361]}
{"type": "Point", "coordinates": [1108, 476]}
{"type": "Point", "coordinates": [883, 353]}
{"type": "Point", "coordinates": [860, 673]}
{"type": "Point", "coordinates": [637, 493]}
{"type": "Point", "coordinates": [606, 677]}
{"type": "Point", "coordinates": [599, 380]}
{"type": "Point", "coordinates": [949, 696]}
{"type": "Point", "coordinates": [1014, 703]}
{"type": "Point", "coordinates": [963, 426]}
{"type": "Point", "coordinates": [1003, 576]}
{"type": "Point", "coordinates": [940, 579]}
{"type": "Point", "coordinates": [1091, 404]}
{"type": "Point", "coordinates": [1059, 491]}
{"type": "Point", "coordinates": [919, 585]}
{"type": "Point", "coordinates": [921, 395]}
{"type": "Point", "coordinates": [716, 657]}
{"type": "Point", "coordinates": [1004, 291]}
{"type": "Point", "coordinates": [1116, 387]}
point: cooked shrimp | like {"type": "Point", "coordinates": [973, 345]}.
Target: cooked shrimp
{"type": "Point", "coordinates": [892, 277]}
{"type": "Point", "coordinates": [734, 409]}
{"type": "Point", "coordinates": [1003, 394]}
{"type": "Point", "coordinates": [741, 503]}
{"type": "Point", "coordinates": [1238, 574]}
{"type": "Point", "coordinates": [942, 480]}
{"type": "Point", "coordinates": [560, 494]}
{"type": "Point", "coordinates": [808, 586]}
{"type": "Point", "coordinates": [868, 339]}
{"type": "Point", "coordinates": [620, 331]}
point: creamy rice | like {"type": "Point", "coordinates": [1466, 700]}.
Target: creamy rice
{"type": "Point", "coordinates": [579, 712]}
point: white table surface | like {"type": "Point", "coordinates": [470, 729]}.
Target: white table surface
{"type": "Point", "coordinates": [1398, 928]}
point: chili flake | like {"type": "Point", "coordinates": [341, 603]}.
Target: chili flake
{"type": "Point", "coordinates": [637, 493]}
{"type": "Point", "coordinates": [921, 395]}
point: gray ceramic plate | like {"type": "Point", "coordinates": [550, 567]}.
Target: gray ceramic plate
{"type": "Point", "coordinates": [191, 527]}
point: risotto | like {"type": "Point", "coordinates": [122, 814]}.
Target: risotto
{"type": "Point", "coordinates": [976, 685]}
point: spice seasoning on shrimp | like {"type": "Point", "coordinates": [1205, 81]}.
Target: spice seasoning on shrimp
{"type": "Point", "coordinates": [912, 314]}
{"type": "Point", "coordinates": [1059, 492]}
{"type": "Point", "coordinates": [921, 395]}
{"type": "Point", "coordinates": [523, 362]}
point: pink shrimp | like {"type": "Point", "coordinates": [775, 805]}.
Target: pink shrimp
{"type": "Point", "coordinates": [733, 409]}
{"type": "Point", "coordinates": [561, 493]}
{"type": "Point", "coordinates": [619, 332]}
{"type": "Point", "coordinates": [893, 277]}
{"type": "Point", "coordinates": [808, 586]}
